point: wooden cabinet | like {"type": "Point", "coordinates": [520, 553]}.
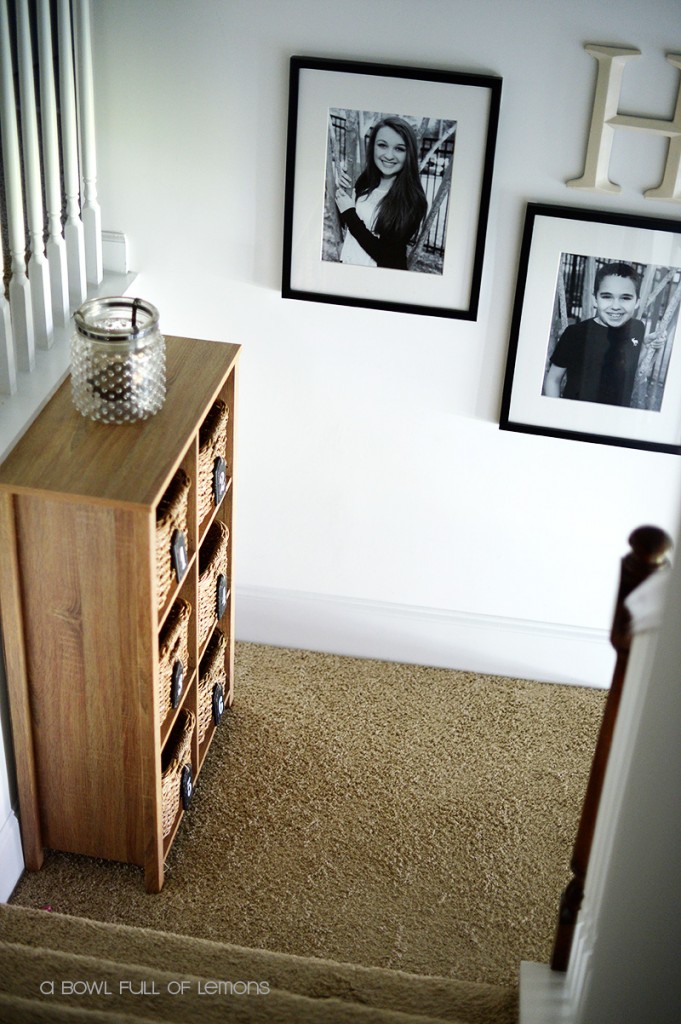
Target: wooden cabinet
{"type": "Point", "coordinates": [105, 605]}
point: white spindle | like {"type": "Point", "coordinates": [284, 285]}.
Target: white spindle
{"type": "Point", "coordinates": [19, 285]}
{"type": "Point", "coordinates": [73, 228]}
{"type": "Point", "coordinates": [8, 374]}
{"type": "Point", "coordinates": [56, 246]}
{"type": "Point", "coordinates": [38, 271]}
{"type": "Point", "coordinates": [91, 214]}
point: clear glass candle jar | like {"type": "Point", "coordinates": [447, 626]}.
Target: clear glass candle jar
{"type": "Point", "coordinates": [118, 360]}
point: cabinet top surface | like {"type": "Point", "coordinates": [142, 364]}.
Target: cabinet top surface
{"type": "Point", "coordinates": [68, 455]}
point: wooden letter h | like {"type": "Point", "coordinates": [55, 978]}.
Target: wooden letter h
{"type": "Point", "coordinates": [605, 119]}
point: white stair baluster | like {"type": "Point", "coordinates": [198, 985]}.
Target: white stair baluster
{"type": "Point", "coordinates": [38, 271]}
{"type": "Point", "coordinates": [19, 285]}
{"type": "Point", "coordinates": [56, 247]}
{"type": "Point", "coordinates": [91, 214]}
{"type": "Point", "coordinates": [8, 373]}
{"type": "Point", "coordinates": [73, 228]}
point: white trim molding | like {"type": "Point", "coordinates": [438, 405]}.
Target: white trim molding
{"type": "Point", "coordinates": [115, 252]}
{"type": "Point", "coordinates": [554, 997]}
{"type": "Point", "coordinates": [362, 628]}
{"type": "Point", "coordinates": [623, 952]}
{"type": "Point", "coordinates": [11, 856]}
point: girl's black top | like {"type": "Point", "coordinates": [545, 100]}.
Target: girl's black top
{"type": "Point", "coordinates": [387, 251]}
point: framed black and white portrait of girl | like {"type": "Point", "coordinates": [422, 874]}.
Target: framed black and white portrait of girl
{"type": "Point", "coordinates": [388, 180]}
{"type": "Point", "coordinates": [594, 353]}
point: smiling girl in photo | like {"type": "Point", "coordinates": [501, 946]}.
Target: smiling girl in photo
{"type": "Point", "coordinates": [384, 212]}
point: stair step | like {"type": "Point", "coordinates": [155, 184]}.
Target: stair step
{"type": "Point", "coordinates": [124, 989]}
{"type": "Point", "coordinates": [47, 946]}
{"type": "Point", "coordinates": [39, 1011]}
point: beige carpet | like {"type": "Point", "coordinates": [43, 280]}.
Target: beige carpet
{"type": "Point", "coordinates": [379, 814]}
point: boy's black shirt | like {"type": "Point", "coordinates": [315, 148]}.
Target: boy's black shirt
{"type": "Point", "coordinates": [600, 361]}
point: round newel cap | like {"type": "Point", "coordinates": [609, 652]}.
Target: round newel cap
{"type": "Point", "coordinates": [650, 544]}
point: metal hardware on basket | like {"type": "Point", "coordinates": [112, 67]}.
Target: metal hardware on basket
{"type": "Point", "coordinates": [186, 786]}
{"type": "Point", "coordinates": [219, 479]}
{"type": "Point", "coordinates": [218, 703]}
{"type": "Point", "coordinates": [178, 547]}
{"type": "Point", "coordinates": [221, 595]}
{"type": "Point", "coordinates": [177, 683]}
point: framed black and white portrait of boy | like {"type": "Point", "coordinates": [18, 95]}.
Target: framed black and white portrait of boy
{"type": "Point", "coordinates": [388, 180]}
{"type": "Point", "coordinates": [593, 352]}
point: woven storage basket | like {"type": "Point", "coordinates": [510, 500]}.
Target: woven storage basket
{"type": "Point", "coordinates": [212, 445]}
{"type": "Point", "coordinates": [173, 647]}
{"type": "Point", "coordinates": [212, 564]}
{"type": "Point", "coordinates": [172, 776]}
{"type": "Point", "coordinates": [171, 515]}
{"type": "Point", "coordinates": [212, 671]}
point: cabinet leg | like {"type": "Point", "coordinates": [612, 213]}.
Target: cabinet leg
{"type": "Point", "coordinates": [153, 877]}
{"type": "Point", "coordinates": [34, 857]}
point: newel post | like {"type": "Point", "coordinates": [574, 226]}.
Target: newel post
{"type": "Point", "coordinates": [649, 550]}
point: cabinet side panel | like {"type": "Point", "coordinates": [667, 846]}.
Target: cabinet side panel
{"type": "Point", "coordinates": [17, 685]}
{"type": "Point", "coordinates": [232, 391]}
{"type": "Point", "coordinates": [90, 671]}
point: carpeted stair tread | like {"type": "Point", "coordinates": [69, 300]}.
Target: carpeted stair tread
{"type": "Point", "coordinates": [16, 1010]}
{"type": "Point", "coordinates": [318, 987]}
{"type": "Point", "coordinates": [155, 994]}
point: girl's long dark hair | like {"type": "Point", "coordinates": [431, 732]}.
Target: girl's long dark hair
{"type": "Point", "coordinates": [400, 213]}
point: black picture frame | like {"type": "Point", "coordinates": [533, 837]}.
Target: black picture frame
{"type": "Point", "coordinates": [619, 375]}
{"type": "Point", "coordinates": [459, 113]}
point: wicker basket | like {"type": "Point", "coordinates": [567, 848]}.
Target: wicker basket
{"type": "Point", "coordinates": [212, 445]}
{"type": "Point", "coordinates": [172, 776]}
{"type": "Point", "coordinates": [173, 647]}
{"type": "Point", "coordinates": [212, 565]}
{"type": "Point", "coordinates": [212, 672]}
{"type": "Point", "coordinates": [171, 516]}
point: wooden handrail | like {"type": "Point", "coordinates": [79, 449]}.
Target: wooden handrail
{"type": "Point", "coordinates": [649, 552]}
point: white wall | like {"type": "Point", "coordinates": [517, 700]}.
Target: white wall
{"type": "Point", "coordinates": [371, 463]}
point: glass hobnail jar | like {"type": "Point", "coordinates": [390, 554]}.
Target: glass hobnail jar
{"type": "Point", "coordinates": [118, 360]}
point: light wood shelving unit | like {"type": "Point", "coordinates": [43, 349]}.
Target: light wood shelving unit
{"type": "Point", "coordinates": [82, 614]}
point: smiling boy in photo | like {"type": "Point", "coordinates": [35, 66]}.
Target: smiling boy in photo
{"type": "Point", "coordinates": [595, 360]}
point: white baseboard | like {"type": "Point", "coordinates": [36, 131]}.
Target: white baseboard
{"type": "Point", "coordinates": [425, 636]}
{"type": "Point", "coordinates": [115, 252]}
{"type": "Point", "coordinates": [543, 995]}
{"type": "Point", "coordinates": [11, 857]}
